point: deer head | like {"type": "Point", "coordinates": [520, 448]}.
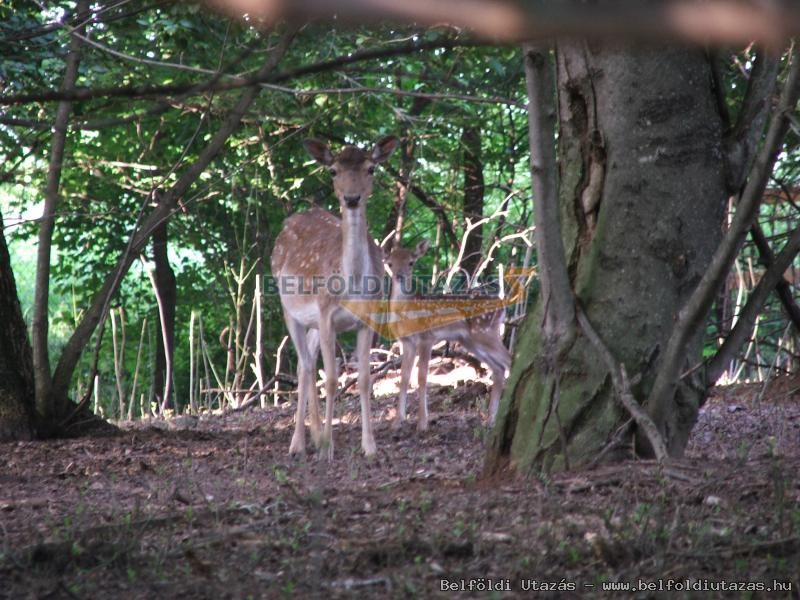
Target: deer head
{"type": "Point", "coordinates": [353, 170]}
{"type": "Point", "coordinates": [399, 262]}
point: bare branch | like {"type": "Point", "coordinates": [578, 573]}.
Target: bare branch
{"type": "Point", "coordinates": [619, 379]}
{"type": "Point", "coordinates": [743, 140]}
{"type": "Point", "coordinates": [217, 84]}
{"type": "Point", "coordinates": [744, 325]}
{"type": "Point", "coordinates": [782, 289]}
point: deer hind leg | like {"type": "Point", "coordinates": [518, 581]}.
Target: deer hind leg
{"type": "Point", "coordinates": [490, 350]}
{"type": "Point", "coordinates": [327, 343]}
{"type": "Point", "coordinates": [501, 364]}
{"type": "Point", "coordinates": [365, 391]}
{"type": "Point", "coordinates": [409, 353]}
{"type": "Point", "coordinates": [304, 377]}
{"type": "Point", "coordinates": [312, 339]}
{"type": "Point", "coordinates": [424, 350]}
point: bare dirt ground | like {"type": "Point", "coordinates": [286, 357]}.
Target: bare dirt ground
{"type": "Point", "coordinates": [213, 507]}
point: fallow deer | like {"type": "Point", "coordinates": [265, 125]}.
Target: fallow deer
{"type": "Point", "coordinates": [311, 249]}
{"type": "Point", "coordinates": [479, 334]}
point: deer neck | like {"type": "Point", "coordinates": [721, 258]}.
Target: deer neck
{"type": "Point", "coordinates": [403, 291]}
{"type": "Point", "coordinates": [356, 255]}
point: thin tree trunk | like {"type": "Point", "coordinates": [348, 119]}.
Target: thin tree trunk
{"type": "Point", "coordinates": [473, 195]}
{"type": "Point", "coordinates": [40, 327]}
{"type": "Point", "coordinates": [163, 211]}
{"type": "Point", "coordinates": [166, 290]}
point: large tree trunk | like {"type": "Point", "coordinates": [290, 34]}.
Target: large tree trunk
{"type": "Point", "coordinates": [16, 359]}
{"type": "Point", "coordinates": [642, 193]}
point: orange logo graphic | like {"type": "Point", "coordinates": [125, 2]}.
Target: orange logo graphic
{"type": "Point", "coordinates": [394, 320]}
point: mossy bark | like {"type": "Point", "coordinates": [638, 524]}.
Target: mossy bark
{"type": "Point", "coordinates": [642, 194]}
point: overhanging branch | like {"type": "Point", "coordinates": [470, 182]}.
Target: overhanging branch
{"type": "Point", "coordinates": [513, 21]}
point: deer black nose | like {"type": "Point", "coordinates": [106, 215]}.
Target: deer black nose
{"type": "Point", "coordinates": [352, 201]}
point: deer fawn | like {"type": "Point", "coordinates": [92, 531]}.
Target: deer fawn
{"type": "Point", "coordinates": [480, 335]}
{"type": "Point", "coordinates": [312, 250]}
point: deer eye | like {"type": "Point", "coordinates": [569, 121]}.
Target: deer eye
{"type": "Point", "coordinates": [371, 170]}
{"type": "Point", "coordinates": [333, 172]}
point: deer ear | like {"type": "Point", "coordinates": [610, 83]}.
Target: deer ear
{"type": "Point", "coordinates": [422, 248]}
{"type": "Point", "coordinates": [319, 151]}
{"type": "Point", "coordinates": [384, 148]}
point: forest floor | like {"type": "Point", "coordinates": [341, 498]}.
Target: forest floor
{"type": "Point", "coordinates": [213, 507]}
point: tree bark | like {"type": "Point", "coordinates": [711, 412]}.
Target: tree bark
{"type": "Point", "coordinates": [473, 195]}
{"type": "Point", "coordinates": [641, 196]}
{"type": "Point", "coordinates": [16, 359]}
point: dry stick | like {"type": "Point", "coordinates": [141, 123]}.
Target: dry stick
{"type": "Point", "coordinates": [209, 363]}
{"type": "Point", "coordinates": [524, 235]}
{"type": "Point", "coordinates": [470, 227]}
{"type": "Point", "coordinates": [136, 369]}
{"type": "Point", "coordinates": [192, 370]}
{"type": "Point", "coordinates": [166, 207]}
{"type": "Point", "coordinates": [258, 355]}
{"type": "Point", "coordinates": [229, 362]}
{"type": "Point", "coordinates": [744, 326]}
{"type": "Point", "coordinates": [43, 379]}
{"type": "Point", "coordinates": [251, 399]}
{"type": "Point", "coordinates": [243, 342]}
{"type": "Point", "coordinates": [782, 289]}
{"type": "Point", "coordinates": [278, 368]}
{"type": "Point", "coordinates": [619, 379]}
{"type": "Point", "coordinates": [201, 349]}
{"type": "Point", "coordinates": [774, 367]}
{"type": "Point", "coordinates": [162, 319]}
{"type": "Point", "coordinates": [119, 357]}
{"type": "Point", "coordinates": [692, 315]}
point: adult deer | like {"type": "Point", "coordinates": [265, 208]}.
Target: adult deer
{"type": "Point", "coordinates": [311, 250]}
{"type": "Point", "coordinates": [479, 334]}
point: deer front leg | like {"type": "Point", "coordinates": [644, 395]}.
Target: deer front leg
{"type": "Point", "coordinates": [422, 384]}
{"type": "Point", "coordinates": [408, 351]}
{"type": "Point", "coordinates": [312, 339]}
{"type": "Point", "coordinates": [298, 335]}
{"type": "Point", "coordinates": [365, 391]}
{"type": "Point", "coordinates": [327, 343]}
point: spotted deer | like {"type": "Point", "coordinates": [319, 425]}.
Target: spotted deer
{"type": "Point", "coordinates": [480, 335]}
{"type": "Point", "coordinates": [312, 248]}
